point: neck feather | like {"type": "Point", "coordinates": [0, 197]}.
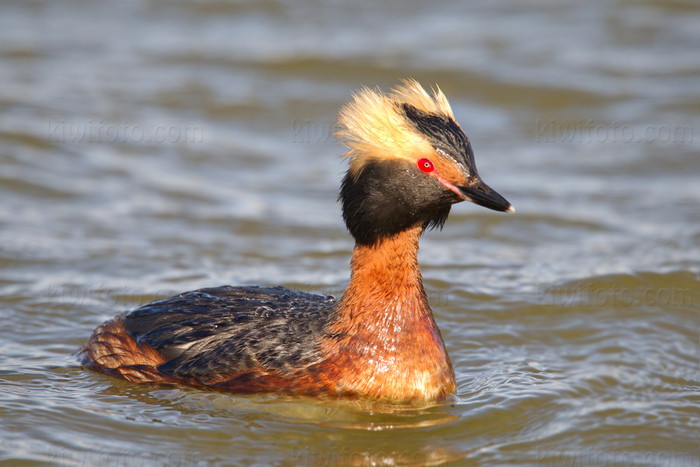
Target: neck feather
{"type": "Point", "coordinates": [386, 283]}
{"type": "Point", "coordinates": [385, 333]}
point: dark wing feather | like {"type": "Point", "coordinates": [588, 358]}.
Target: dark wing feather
{"type": "Point", "coordinates": [224, 330]}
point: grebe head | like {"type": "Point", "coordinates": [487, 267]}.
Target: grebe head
{"type": "Point", "coordinates": [409, 162]}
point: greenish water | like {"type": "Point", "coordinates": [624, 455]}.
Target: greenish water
{"type": "Point", "coordinates": [151, 147]}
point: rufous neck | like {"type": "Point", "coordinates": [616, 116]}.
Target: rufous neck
{"type": "Point", "coordinates": [384, 332]}
{"type": "Point", "coordinates": [386, 279]}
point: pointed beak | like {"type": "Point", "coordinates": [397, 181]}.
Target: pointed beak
{"type": "Point", "coordinates": [483, 195]}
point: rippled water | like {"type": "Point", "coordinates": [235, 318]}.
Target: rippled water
{"type": "Point", "coordinates": [153, 147]}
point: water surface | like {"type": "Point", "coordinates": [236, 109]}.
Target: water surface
{"type": "Point", "coordinates": [151, 147]}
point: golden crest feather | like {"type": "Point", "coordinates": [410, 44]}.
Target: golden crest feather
{"type": "Point", "coordinates": [373, 126]}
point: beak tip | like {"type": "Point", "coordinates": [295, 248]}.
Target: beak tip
{"type": "Point", "coordinates": [481, 194]}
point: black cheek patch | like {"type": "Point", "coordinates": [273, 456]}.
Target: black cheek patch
{"type": "Point", "coordinates": [389, 197]}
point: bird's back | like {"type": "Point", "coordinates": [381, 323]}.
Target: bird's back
{"type": "Point", "coordinates": [209, 335]}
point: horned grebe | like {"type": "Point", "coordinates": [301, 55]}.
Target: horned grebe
{"type": "Point", "coordinates": [409, 163]}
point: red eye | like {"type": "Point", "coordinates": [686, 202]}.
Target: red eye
{"type": "Point", "coordinates": [426, 165]}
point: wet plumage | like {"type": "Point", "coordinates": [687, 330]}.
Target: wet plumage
{"type": "Point", "coordinates": [215, 331]}
{"type": "Point", "coordinates": [409, 163]}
